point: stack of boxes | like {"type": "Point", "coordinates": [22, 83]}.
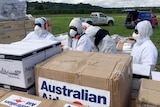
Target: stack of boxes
{"type": "Point", "coordinates": [12, 9]}
{"type": "Point", "coordinates": [11, 31]}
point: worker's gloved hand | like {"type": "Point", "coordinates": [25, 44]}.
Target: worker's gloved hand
{"type": "Point", "coordinates": [65, 47]}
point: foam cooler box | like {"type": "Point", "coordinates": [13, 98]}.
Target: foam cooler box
{"type": "Point", "coordinates": [17, 61]}
{"type": "Point", "coordinates": [91, 79]}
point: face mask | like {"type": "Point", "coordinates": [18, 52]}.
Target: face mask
{"type": "Point", "coordinates": [38, 30]}
{"type": "Point", "coordinates": [136, 37]}
{"type": "Point", "coordinates": [72, 33]}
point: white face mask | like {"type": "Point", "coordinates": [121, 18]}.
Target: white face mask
{"type": "Point", "coordinates": [38, 30]}
{"type": "Point", "coordinates": [72, 33]}
{"type": "Point", "coordinates": [136, 37]}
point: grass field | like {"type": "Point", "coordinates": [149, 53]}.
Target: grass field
{"type": "Point", "coordinates": [60, 25]}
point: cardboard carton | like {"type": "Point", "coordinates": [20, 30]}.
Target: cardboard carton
{"type": "Point", "coordinates": [93, 79]}
{"type": "Point", "coordinates": [149, 94]}
{"type": "Point", "coordinates": [10, 36]}
{"type": "Point", "coordinates": [60, 103]}
{"type": "Point", "coordinates": [14, 99]}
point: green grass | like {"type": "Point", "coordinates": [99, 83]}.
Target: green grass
{"type": "Point", "coordinates": [60, 25]}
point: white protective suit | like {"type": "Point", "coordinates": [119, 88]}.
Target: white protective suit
{"type": "Point", "coordinates": [106, 45]}
{"type": "Point", "coordinates": [83, 43]}
{"type": "Point", "coordinates": [144, 51]}
{"type": "Point", "coordinates": [40, 32]}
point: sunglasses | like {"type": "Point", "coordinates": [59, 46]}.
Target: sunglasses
{"type": "Point", "coordinates": [136, 31]}
{"type": "Point", "coordinates": [72, 27]}
{"type": "Point", "coordinates": [38, 24]}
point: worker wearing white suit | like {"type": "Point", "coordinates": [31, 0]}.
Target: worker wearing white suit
{"type": "Point", "coordinates": [100, 38]}
{"type": "Point", "coordinates": [144, 50]}
{"type": "Point", "coordinates": [80, 41]}
{"type": "Point", "coordinates": [40, 31]}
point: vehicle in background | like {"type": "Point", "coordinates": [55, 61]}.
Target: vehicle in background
{"type": "Point", "coordinates": [134, 16]}
{"type": "Point", "coordinates": [98, 18]}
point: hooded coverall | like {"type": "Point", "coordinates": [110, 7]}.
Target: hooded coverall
{"type": "Point", "coordinates": [144, 50]}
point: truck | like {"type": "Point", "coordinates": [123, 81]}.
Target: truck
{"type": "Point", "coordinates": [98, 18]}
{"type": "Point", "coordinates": [134, 16]}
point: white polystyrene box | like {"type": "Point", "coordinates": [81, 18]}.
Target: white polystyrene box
{"type": "Point", "coordinates": [155, 75]}
{"type": "Point", "coordinates": [51, 47]}
{"type": "Point", "coordinates": [16, 64]}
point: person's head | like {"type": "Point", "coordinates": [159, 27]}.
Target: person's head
{"type": "Point", "coordinates": [41, 25]}
{"type": "Point", "coordinates": [85, 25]}
{"type": "Point", "coordinates": [75, 27]}
{"type": "Point", "coordinates": [142, 30]}
{"type": "Point", "coordinates": [100, 35]}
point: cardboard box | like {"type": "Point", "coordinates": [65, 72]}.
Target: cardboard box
{"type": "Point", "coordinates": [93, 79]}
{"type": "Point", "coordinates": [133, 103]}
{"type": "Point", "coordinates": [60, 103]}
{"type": "Point", "coordinates": [11, 25]}
{"type": "Point", "coordinates": [149, 94]}
{"type": "Point", "coordinates": [29, 24]}
{"type": "Point", "coordinates": [125, 46]}
{"type": "Point", "coordinates": [14, 99]}
{"type": "Point", "coordinates": [3, 92]}
{"type": "Point", "coordinates": [7, 37]}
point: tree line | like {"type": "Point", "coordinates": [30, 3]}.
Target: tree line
{"type": "Point", "coordinates": [38, 8]}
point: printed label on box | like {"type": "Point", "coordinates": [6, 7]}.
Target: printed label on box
{"type": "Point", "coordinates": [52, 89]}
{"type": "Point", "coordinates": [19, 101]}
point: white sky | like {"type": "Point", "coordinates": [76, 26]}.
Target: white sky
{"type": "Point", "coordinates": [111, 3]}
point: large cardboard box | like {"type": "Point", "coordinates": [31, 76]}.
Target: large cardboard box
{"type": "Point", "coordinates": [18, 99]}
{"type": "Point", "coordinates": [149, 94]}
{"type": "Point", "coordinates": [3, 92]}
{"type": "Point", "coordinates": [92, 79]}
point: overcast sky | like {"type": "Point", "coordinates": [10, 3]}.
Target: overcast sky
{"type": "Point", "coordinates": [111, 3]}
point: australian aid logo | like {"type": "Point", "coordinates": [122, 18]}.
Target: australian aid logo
{"type": "Point", "coordinates": [87, 96]}
{"type": "Point", "coordinates": [19, 101]}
